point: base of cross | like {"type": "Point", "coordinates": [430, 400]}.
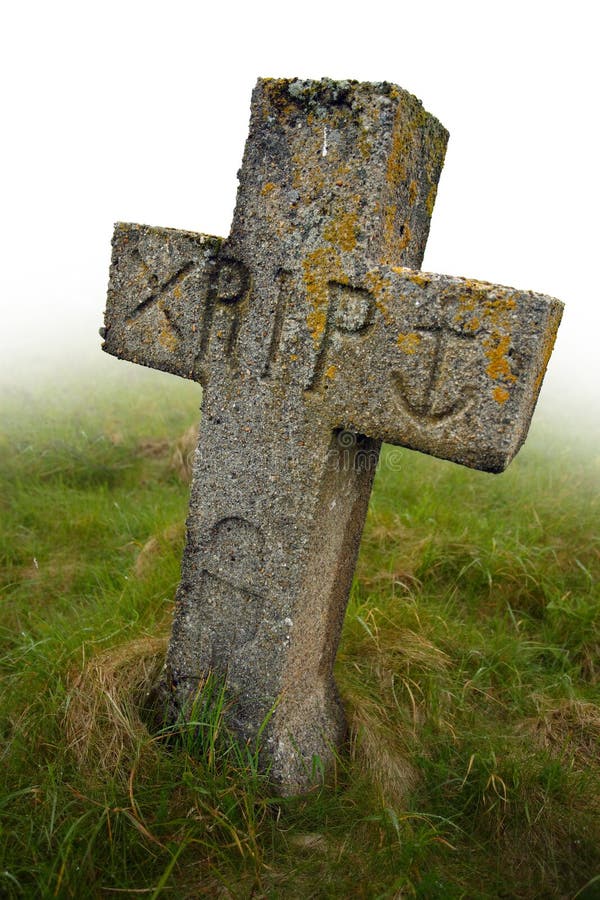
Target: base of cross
{"type": "Point", "coordinates": [213, 717]}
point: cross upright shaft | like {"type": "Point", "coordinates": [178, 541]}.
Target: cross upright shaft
{"type": "Point", "coordinates": [314, 338]}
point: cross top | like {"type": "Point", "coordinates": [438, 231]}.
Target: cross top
{"type": "Point", "coordinates": [315, 337]}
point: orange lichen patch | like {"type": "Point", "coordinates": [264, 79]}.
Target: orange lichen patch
{"type": "Point", "coordinates": [167, 339]}
{"type": "Point", "coordinates": [498, 307]}
{"type": "Point", "coordinates": [496, 315]}
{"type": "Point", "coordinates": [377, 283]}
{"type": "Point", "coordinates": [416, 139]}
{"type": "Point", "coordinates": [405, 237]}
{"type": "Point", "coordinates": [493, 305]}
{"type": "Point", "coordinates": [177, 292]}
{"type": "Point", "coordinates": [267, 188]}
{"type": "Point", "coordinates": [480, 306]}
{"type": "Point", "coordinates": [409, 342]}
{"type": "Point", "coordinates": [330, 373]}
{"type": "Point", "coordinates": [364, 144]}
{"type": "Point", "coordinates": [434, 163]}
{"type": "Point", "coordinates": [341, 231]}
{"type": "Point", "coordinates": [496, 349]}
{"type": "Point", "coordinates": [405, 137]}
{"type": "Point", "coordinates": [548, 346]}
{"type": "Point", "coordinates": [430, 201]}
{"type": "Point", "coordinates": [342, 170]}
{"type": "Point", "coordinates": [396, 167]}
{"type": "Point", "coordinates": [379, 286]}
{"type": "Point", "coordinates": [320, 267]}
{"type": "Point", "coordinates": [467, 302]}
{"type": "Point", "coordinates": [277, 97]}
{"type": "Point", "coordinates": [316, 321]}
{"type": "Point", "coordinates": [166, 336]}
{"type": "Point", "coordinates": [420, 279]}
{"type": "Point", "coordinates": [396, 239]}
{"type": "Point", "coordinates": [500, 394]}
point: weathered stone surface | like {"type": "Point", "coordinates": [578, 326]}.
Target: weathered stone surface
{"type": "Point", "coordinates": [315, 337]}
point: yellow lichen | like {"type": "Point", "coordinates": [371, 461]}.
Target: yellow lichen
{"type": "Point", "coordinates": [364, 144]}
{"type": "Point", "coordinates": [547, 346]}
{"type": "Point", "coordinates": [409, 342]}
{"type": "Point", "coordinates": [167, 339]}
{"type": "Point", "coordinates": [430, 201]}
{"type": "Point", "coordinates": [501, 395]}
{"type": "Point", "coordinates": [267, 188]}
{"type": "Point", "coordinates": [405, 237]}
{"type": "Point", "coordinates": [496, 350]}
{"type": "Point", "coordinates": [166, 336]}
{"type": "Point", "coordinates": [316, 321]}
{"type": "Point", "coordinates": [341, 231]}
{"type": "Point", "coordinates": [413, 191]}
{"type": "Point", "coordinates": [396, 166]}
{"type": "Point", "coordinates": [481, 306]}
{"type": "Point", "coordinates": [405, 134]}
{"type": "Point", "coordinates": [420, 279]}
{"type": "Point", "coordinates": [330, 373]}
{"type": "Point", "coordinates": [320, 267]}
{"type": "Point", "coordinates": [434, 162]}
{"type": "Point", "coordinates": [379, 287]}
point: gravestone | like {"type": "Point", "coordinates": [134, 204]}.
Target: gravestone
{"type": "Point", "coordinates": [315, 337]}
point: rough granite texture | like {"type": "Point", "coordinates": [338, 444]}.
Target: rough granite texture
{"type": "Point", "coordinates": [315, 337]}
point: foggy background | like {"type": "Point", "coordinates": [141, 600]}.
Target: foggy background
{"type": "Point", "coordinates": [138, 111]}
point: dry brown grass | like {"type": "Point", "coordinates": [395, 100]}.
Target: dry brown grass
{"type": "Point", "coordinates": [568, 730]}
{"type": "Point", "coordinates": [154, 449]}
{"type": "Point", "coordinates": [182, 457]}
{"type": "Point", "coordinates": [103, 723]}
{"type": "Point", "coordinates": [386, 704]}
{"type": "Point", "coordinates": [170, 538]}
{"type": "Point", "coordinates": [379, 751]}
{"type": "Point", "coordinates": [180, 452]}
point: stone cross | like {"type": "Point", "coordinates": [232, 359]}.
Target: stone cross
{"type": "Point", "coordinates": [315, 337]}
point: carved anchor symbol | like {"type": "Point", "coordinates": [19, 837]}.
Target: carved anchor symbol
{"type": "Point", "coordinates": [423, 403]}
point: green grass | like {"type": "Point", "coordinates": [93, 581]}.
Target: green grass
{"type": "Point", "coordinates": [469, 667]}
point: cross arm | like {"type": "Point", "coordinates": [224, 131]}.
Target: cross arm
{"type": "Point", "coordinates": [162, 281]}
{"type": "Point", "coordinates": [448, 366]}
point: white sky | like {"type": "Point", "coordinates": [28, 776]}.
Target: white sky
{"type": "Point", "coordinates": [138, 111]}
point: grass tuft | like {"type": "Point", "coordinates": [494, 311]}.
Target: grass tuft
{"type": "Point", "coordinates": [569, 730]}
{"type": "Point", "coordinates": [103, 720]}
